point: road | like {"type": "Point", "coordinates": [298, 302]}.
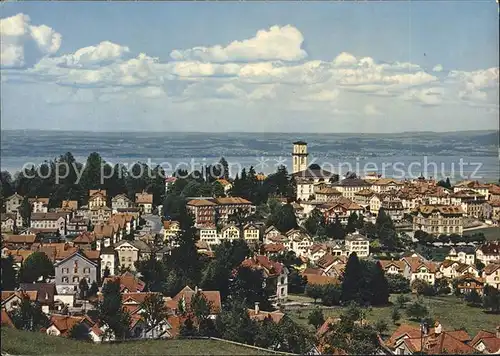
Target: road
{"type": "Point", "coordinates": [153, 223]}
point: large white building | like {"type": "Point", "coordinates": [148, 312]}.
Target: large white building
{"type": "Point", "coordinates": [299, 156]}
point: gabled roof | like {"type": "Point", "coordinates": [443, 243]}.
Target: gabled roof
{"type": "Point", "coordinates": [489, 340]}
{"type": "Point", "coordinates": [48, 216]}
{"type": "Point", "coordinates": [64, 323]}
{"type": "Point", "coordinates": [8, 294]}
{"type": "Point", "coordinates": [200, 202]}
{"type": "Point", "coordinates": [271, 268]}
{"type": "Point", "coordinates": [320, 279]}
{"type": "Point", "coordinates": [275, 316]}
{"type": "Point", "coordinates": [232, 201]}
{"type": "Point", "coordinates": [400, 265]}
{"type": "Point", "coordinates": [15, 195]}
{"type": "Point", "coordinates": [19, 239]}
{"type": "Point", "coordinates": [144, 198]}
{"type": "Point", "coordinates": [75, 254]}
{"type": "Point", "coordinates": [213, 297]}
{"type": "Point", "coordinates": [45, 291]}
{"type": "Point", "coordinates": [491, 268]}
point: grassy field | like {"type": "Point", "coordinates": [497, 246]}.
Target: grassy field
{"type": "Point", "coordinates": [17, 342]}
{"type": "Point", "coordinates": [491, 233]}
{"type": "Point", "coordinates": [450, 311]}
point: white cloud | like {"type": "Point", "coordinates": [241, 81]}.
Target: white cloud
{"type": "Point", "coordinates": [371, 110]}
{"type": "Point", "coordinates": [277, 43]}
{"type": "Point", "coordinates": [426, 97]}
{"type": "Point", "coordinates": [16, 31]}
{"type": "Point", "coordinates": [88, 56]}
{"type": "Point", "coordinates": [437, 68]}
{"type": "Point", "coordinates": [324, 95]}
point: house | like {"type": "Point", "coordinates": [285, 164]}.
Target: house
{"type": "Point", "coordinates": [386, 184]}
{"type": "Point", "coordinates": [270, 232]}
{"type": "Point", "coordinates": [319, 279]}
{"type": "Point", "coordinates": [448, 269]}
{"type": "Point", "coordinates": [129, 252]}
{"type": "Point", "coordinates": [203, 211]}
{"type": "Point", "coordinates": [251, 233]}
{"type": "Point", "coordinates": [77, 225]}
{"type": "Point", "coordinates": [491, 211]}
{"type": "Point", "coordinates": [108, 260]}
{"type": "Point", "coordinates": [171, 230]}
{"type": "Point", "coordinates": [226, 185]}
{"type": "Point", "coordinates": [272, 249]}
{"type": "Point", "coordinates": [145, 202]}
{"type": "Point", "coordinates": [468, 282]}
{"type": "Point", "coordinates": [128, 283]}
{"type": "Point", "coordinates": [418, 268]}
{"type": "Point", "coordinates": [357, 243]}
{"type": "Point", "coordinates": [491, 275]}
{"type": "Point", "coordinates": [209, 235]}
{"type": "Point", "coordinates": [392, 267]}
{"type": "Point", "coordinates": [71, 270]}
{"type": "Point", "coordinates": [11, 300]}
{"type": "Point", "coordinates": [462, 254]}
{"type": "Point", "coordinates": [13, 203]}
{"type": "Point", "coordinates": [488, 252]}
{"type": "Point", "coordinates": [482, 189]}
{"type": "Point", "coordinates": [8, 222]}
{"type": "Point", "coordinates": [105, 235]}
{"type": "Point", "coordinates": [69, 205]}
{"type": "Point", "coordinates": [275, 274]}
{"type": "Point", "coordinates": [120, 201]}
{"type": "Point", "coordinates": [350, 186]}
{"type": "Point", "coordinates": [49, 222]}
{"type": "Point", "coordinates": [39, 205]}
{"type": "Point", "coordinates": [97, 198]}
{"type": "Point", "coordinates": [316, 251]}
{"type": "Point", "coordinates": [61, 325]}
{"type": "Point", "coordinates": [16, 241]}
{"type": "Point", "coordinates": [230, 205]}
{"type": "Point", "coordinates": [259, 315]}
{"type": "Point", "coordinates": [393, 207]}
{"type": "Point", "coordinates": [299, 242]}
{"type": "Point", "coordinates": [230, 233]}
{"type": "Point", "coordinates": [186, 294]}
{"type": "Point", "coordinates": [332, 266]}
{"type": "Point", "coordinates": [487, 342]}
{"type": "Point", "coordinates": [409, 340]}
{"type": "Point", "coordinates": [438, 219]}
{"type": "Point", "coordinates": [363, 197]}
{"type": "Point", "coordinates": [341, 209]}
{"type": "Point", "coordinates": [45, 294]}
{"type": "Point", "coordinates": [326, 193]}
{"type": "Point", "coordinates": [99, 214]}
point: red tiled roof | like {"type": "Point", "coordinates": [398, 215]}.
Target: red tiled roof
{"type": "Point", "coordinates": [271, 268]}
{"type": "Point", "coordinates": [489, 339]}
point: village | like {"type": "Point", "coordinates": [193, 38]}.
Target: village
{"type": "Point", "coordinates": [311, 236]}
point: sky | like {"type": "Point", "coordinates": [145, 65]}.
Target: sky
{"type": "Point", "coordinates": [366, 67]}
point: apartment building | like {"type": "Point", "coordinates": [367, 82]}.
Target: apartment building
{"type": "Point", "coordinates": [439, 219]}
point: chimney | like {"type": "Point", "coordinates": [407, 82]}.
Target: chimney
{"type": "Point", "coordinates": [257, 308]}
{"type": "Point", "coordinates": [196, 289]}
{"type": "Point", "coordinates": [498, 332]}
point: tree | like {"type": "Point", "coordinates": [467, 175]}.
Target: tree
{"type": "Point", "coordinates": [316, 318]}
{"type": "Point", "coordinates": [154, 312]}
{"type": "Point", "coordinates": [395, 315]}
{"type": "Point", "coordinates": [248, 285]}
{"type": "Point", "coordinates": [152, 273]}
{"type": "Point", "coordinates": [79, 332]}
{"type": "Point", "coordinates": [293, 338]}
{"type": "Point", "coordinates": [331, 295]}
{"type": "Point", "coordinates": [422, 287]}
{"type": "Point", "coordinates": [201, 308]}
{"type": "Point", "coordinates": [352, 223]}
{"type": "Point", "coordinates": [296, 282]}
{"type": "Point", "coordinates": [314, 291]}
{"type": "Point", "coordinates": [93, 289]}
{"type": "Point", "coordinates": [381, 326]}
{"type": "Point", "coordinates": [352, 281]}
{"type": "Point", "coordinates": [110, 311]}
{"type": "Point", "coordinates": [29, 316]}
{"type": "Point", "coordinates": [417, 310]}
{"type": "Point", "coordinates": [224, 168]}
{"type": "Point", "coordinates": [473, 299]}
{"type": "Point", "coordinates": [315, 223]}
{"type": "Point", "coordinates": [234, 323]}
{"type": "Point", "coordinates": [378, 285]}
{"type": "Point", "coordinates": [25, 211]}
{"type": "Point", "coordinates": [442, 286]}
{"type": "Point", "coordinates": [35, 266]}
{"type": "Point", "coordinates": [386, 230]}
{"type": "Point", "coordinates": [283, 218]}
{"type": "Point", "coordinates": [401, 300]}
{"type": "Point", "coordinates": [491, 299]}
{"type": "Point", "coordinates": [83, 288]}
{"type": "Point", "coordinates": [9, 274]}
{"type": "Point", "coordinates": [398, 284]}
{"type": "Point", "coordinates": [352, 335]}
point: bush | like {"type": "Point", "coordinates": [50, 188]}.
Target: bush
{"type": "Point", "coordinates": [331, 295]}
{"type": "Point", "coordinates": [395, 315]}
{"type": "Point", "coordinates": [398, 284]}
{"type": "Point", "coordinates": [422, 287]}
{"type": "Point", "coordinates": [401, 300]}
{"type": "Point", "coordinates": [381, 326]}
{"type": "Point", "coordinates": [417, 310]}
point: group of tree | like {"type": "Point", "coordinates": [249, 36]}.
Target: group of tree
{"type": "Point", "coordinates": [328, 294]}
{"type": "Point", "coordinates": [398, 284]}
{"type": "Point", "coordinates": [317, 225]}
{"type": "Point", "coordinates": [425, 238]}
{"type": "Point", "coordinates": [63, 178]}
{"type": "Point", "coordinates": [490, 300]}
{"type": "Point", "coordinates": [364, 282]}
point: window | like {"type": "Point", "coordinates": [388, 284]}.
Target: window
{"type": "Point", "coordinates": [86, 270]}
{"type": "Point", "coordinates": [76, 279]}
{"type": "Point", "coordinates": [65, 270]}
{"type": "Point", "coordinates": [65, 279]}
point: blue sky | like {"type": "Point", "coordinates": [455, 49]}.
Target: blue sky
{"type": "Point", "coordinates": [432, 66]}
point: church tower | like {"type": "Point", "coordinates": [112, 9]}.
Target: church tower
{"type": "Point", "coordinates": [299, 156]}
